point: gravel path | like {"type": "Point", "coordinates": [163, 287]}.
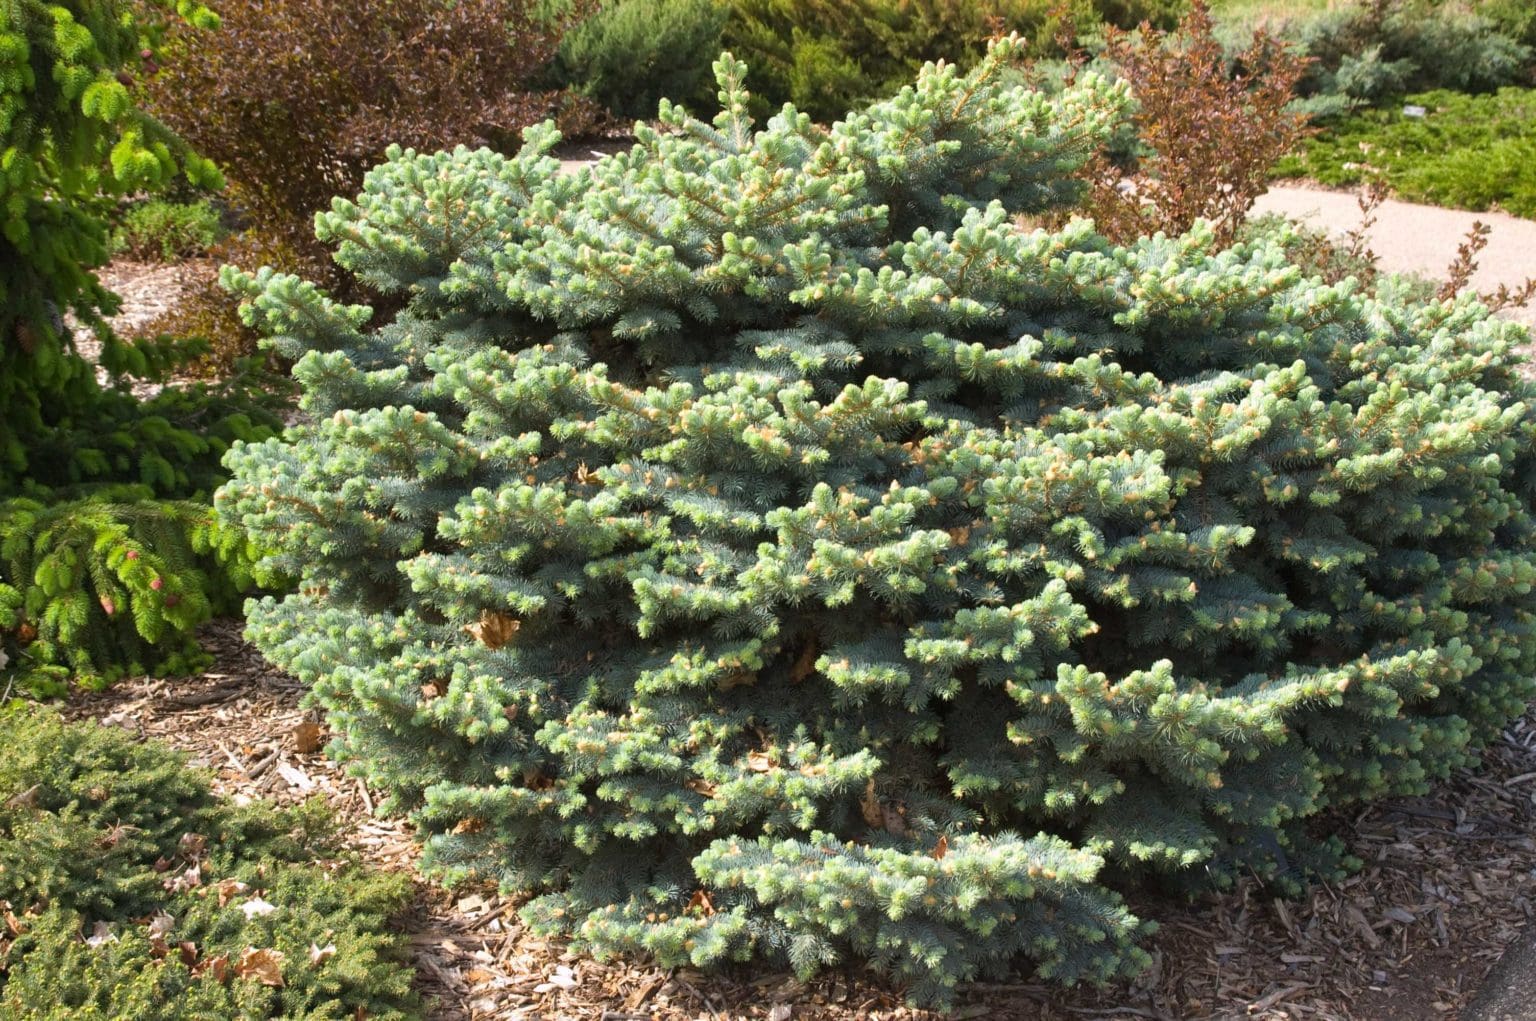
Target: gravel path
{"type": "Point", "coordinates": [1411, 238]}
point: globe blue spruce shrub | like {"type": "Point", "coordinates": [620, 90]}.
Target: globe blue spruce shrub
{"type": "Point", "coordinates": [761, 546]}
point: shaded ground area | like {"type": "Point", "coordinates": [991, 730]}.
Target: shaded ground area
{"type": "Point", "coordinates": [1448, 884]}
{"type": "Point", "coordinates": [1411, 238]}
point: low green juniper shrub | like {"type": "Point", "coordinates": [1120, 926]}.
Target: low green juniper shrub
{"type": "Point", "coordinates": [130, 891]}
{"type": "Point", "coordinates": [630, 54]}
{"type": "Point", "coordinates": [761, 546]}
{"type": "Point", "coordinates": [825, 56]}
{"type": "Point", "coordinates": [1466, 152]}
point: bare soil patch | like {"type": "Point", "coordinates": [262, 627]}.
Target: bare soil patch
{"type": "Point", "coordinates": [1448, 884]}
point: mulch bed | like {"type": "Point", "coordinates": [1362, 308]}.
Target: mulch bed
{"type": "Point", "coordinates": [1448, 884]}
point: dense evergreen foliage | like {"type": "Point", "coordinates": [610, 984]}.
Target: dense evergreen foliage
{"type": "Point", "coordinates": [113, 584]}
{"type": "Point", "coordinates": [128, 891]}
{"type": "Point", "coordinates": [628, 55]}
{"type": "Point", "coordinates": [762, 546]}
{"type": "Point", "coordinates": [1369, 52]}
{"type": "Point", "coordinates": [1465, 152]}
{"type": "Point", "coordinates": [71, 143]}
{"type": "Point", "coordinates": [92, 475]}
{"type": "Point", "coordinates": [822, 55]}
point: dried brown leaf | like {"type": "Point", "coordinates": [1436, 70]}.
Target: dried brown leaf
{"type": "Point", "coordinates": [870, 806]}
{"type": "Point", "coordinates": [191, 879]}
{"type": "Point", "coordinates": [308, 738]}
{"type": "Point", "coordinates": [494, 629]}
{"type": "Point", "coordinates": [805, 664]}
{"type": "Point", "coordinates": [739, 679]}
{"type": "Point", "coordinates": [216, 968]}
{"type": "Point", "coordinates": [701, 903]}
{"type": "Point", "coordinates": [264, 966]}
{"type": "Point", "coordinates": [228, 889]}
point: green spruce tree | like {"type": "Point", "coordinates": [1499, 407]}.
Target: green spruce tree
{"type": "Point", "coordinates": [108, 552]}
{"type": "Point", "coordinates": [761, 546]}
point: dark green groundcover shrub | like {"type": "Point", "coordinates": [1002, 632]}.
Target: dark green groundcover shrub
{"type": "Point", "coordinates": [129, 891]}
{"type": "Point", "coordinates": [1466, 152]}
{"type": "Point", "coordinates": [761, 547]}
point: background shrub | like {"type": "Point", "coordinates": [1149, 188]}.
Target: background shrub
{"type": "Point", "coordinates": [132, 892]}
{"type": "Point", "coordinates": [760, 546]}
{"type": "Point", "coordinates": [1467, 152]}
{"type": "Point", "coordinates": [631, 54]}
{"type": "Point", "coordinates": [156, 229]}
{"type": "Point", "coordinates": [296, 99]}
{"type": "Point", "coordinates": [1515, 18]}
{"type": "Point", "coordinates": [822, 55]}
{"type": "Point", "coordinates": [828, 55]}
{"type": "Point", "coordinates": [1364, 52]}
{"type": "Point", "coordinates": [1207, 137]}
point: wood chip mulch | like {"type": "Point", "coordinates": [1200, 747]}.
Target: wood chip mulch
{"type": "Point", "coordinates": [1447, 886]}
{"type": "Point", "coordinates": [148, 290]}
{"type": "Point", "coordinates": [151, 289]}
